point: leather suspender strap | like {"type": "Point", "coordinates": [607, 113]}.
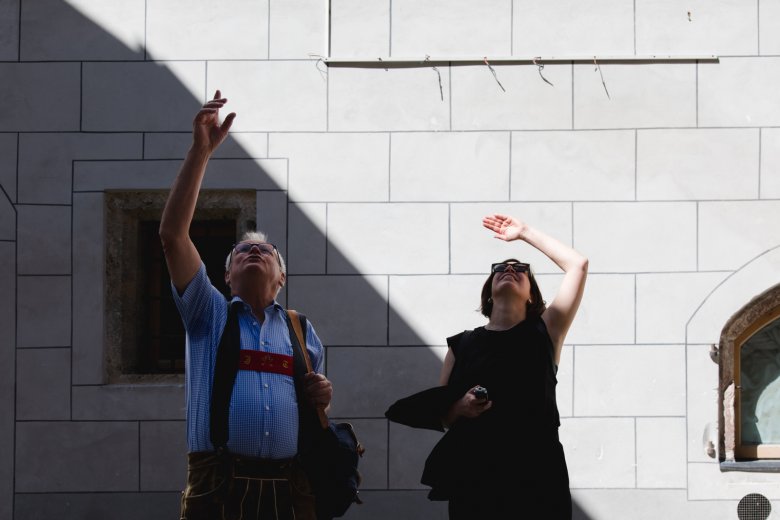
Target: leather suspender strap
{"type": "Point", "coordinates": [225, 368]}
{"type": "Point", "coordinates": [294, 321]}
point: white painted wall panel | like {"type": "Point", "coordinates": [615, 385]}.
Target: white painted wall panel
{"type": "Point", "coordinates": [732, 233]}
{"type": "Point", "coordinates": [388, 238]}
{"type": "Point", "coordinates": [660, 452]}
{"type": "Point", "coordinates": [374, 99]}
{"type": "Point", "coordinates": [637, 237]}
{"type": "Point", "coordinates": [697, 164]}
{"type": "Point", "coordinates": [607, 311]}
{"type": "Point", "coordinates": [321, 171]}
{"type": "Point", "coordinates": [770, 163]}
{"type": "Point", "coordinates": [562, 165]}
{"type": "Point", "coordinates": [9, 30]}
{"type": "Point", "coordinates": [451, 28]}
{"type": "Point", "coordinates": [298, 29]}
{"type": "Point", "coordinates": [201, 30]}
{"type": "Point", "coordinates": [43, 97]}
{"type": "Point", "coordinates": [721, 27]}
{"type": "Point", "coordinates": [457, 166]}
{"type": "Point", "coordinates": [769, 27]}
{"type": "Point", "coordinates": [516, 97]}
{"type": "Point", "coordinates": [597, 453]}
{"type": "Point", "coordinates": [739, 92]}
{"type": "Point", "coordinates": [572, 28]}
{"type": "Point", "coordinates": [638, 95]}
{"type": "Point", "coordinates": [359, 28]}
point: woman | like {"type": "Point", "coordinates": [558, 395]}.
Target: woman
{"type": "Point", "coordinates": [501, 455]}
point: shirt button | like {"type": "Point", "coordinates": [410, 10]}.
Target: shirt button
{"type": "Point", "coordinates": [267, 434]}
{"type": "Point", "coordinates": [265, 385]}
{"type": "Point", "coordinates": [254, 323]}
{"type": "Point", "coordinates": [267, 407]}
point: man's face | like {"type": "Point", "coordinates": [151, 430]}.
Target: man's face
{"type": "Point", "coordinates": [251, 259]}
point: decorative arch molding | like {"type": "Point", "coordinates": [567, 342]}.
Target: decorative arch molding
{"type": "Point", "coordinates": [725, 316]}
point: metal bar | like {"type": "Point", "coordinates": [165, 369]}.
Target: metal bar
{"type": "Point", "coordinates": [517, 59]}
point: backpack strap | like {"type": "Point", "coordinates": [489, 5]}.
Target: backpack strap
{"type": "Point", "coordinates": [225, 368]}
{"type": "Point", "coordinates": [296, 323]}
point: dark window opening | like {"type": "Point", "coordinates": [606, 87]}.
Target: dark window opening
{"type": "Point", "coordinates": [161, 330]}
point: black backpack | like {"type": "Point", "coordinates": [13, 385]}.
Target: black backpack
{"type": "Point", "coordinates": [329, 451]}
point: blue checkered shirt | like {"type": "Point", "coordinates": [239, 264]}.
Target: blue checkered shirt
{"type": "Point", "coordinates": [263, 408]}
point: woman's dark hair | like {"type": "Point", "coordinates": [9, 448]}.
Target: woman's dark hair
{"type": "Point", "coordinates": [531, 309]}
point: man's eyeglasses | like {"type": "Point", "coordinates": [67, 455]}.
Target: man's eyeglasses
{"type": "Point", "coordinates": [517, 267]}
{"type": "Point", "coordinates": [263, 247]}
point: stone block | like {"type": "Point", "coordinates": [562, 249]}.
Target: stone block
{"type": "Point", "coordinates": [43, 97]}
{"type": "Point", "coordinates": [175, 145]}
{"type": "Point", "coordinates": [281, 96]}
{"type": "Point", "coordinates": [194, 30]}
{"type": "Point", "coordinates": [700, 27]}
{"type": "Point", "coordinates": [661, 452]}
{"type": "Point", "coordinates": [702, 403]}
{"type": "Point", "coordinates": [79, 30]}
{"type": "Point", "coordinates": [649, 370]}
{"type": "Point", "coordinates": [770, 163]}
{"type": "Point", "coordinates": [635, 96]}
{"type": "Point", "coordinates": [409, 447]}
{"type": "Point", "coordinates": [697, 164]}
{"type": "Point", "coordinates": [149, 96]}
{"type": "Point", "coordinates": [7, 374]}
{"type": "Point", "coordinates": [76, 456]}
{"type": "Point", "coordinates": [163, 456]}
{"type": "Point", "coordinates": [443, 28]}
{"type": "Point", "coordinates": [43, 384]}
{"type": "Point", "coordinates": [46, 161]}
{"type": "Point", "coordinates": [359, 29]}
{"type": "Point", "coordinates": [549, 166]}
{"type": "Point", "coordinates": [345, 310]}
{"type": "Point", "coordinates": [516, 97]}
{"type": "Point", "coordinates": [372, 434]}
{"type": "Point", "coordinates": [7, 218]}
{"type": "Point", "coordinates": [9, 39]}
{"type": "Point", "coordinates": [369, 379]}
{"type": "Point", "coordinates": [298, 29]}
{"type": "Point", "coordinates": [36, 328]}
{"type": "Point", "coordinates": [452, 166]}
{"type": "Point", "coordinates": [372, 99]}
{"type": "Point", "coordinates": [572, 28]}
{"type": "Point", "coordinates": [81, 506]}
{"type": "Point", "coordinates": [592, 324]}
{"type": "Point", "coordinates": [388, 238]}
{"type": "Point", "coordinates": [306, 243]}
{"type": "Point", "coordinates": [142, 402]}
{"type": "Point", "coordinates": [769, 28]}
{"type": "Point", "coordinates": [320, 170]}
{"type": "Point", "coordinates": [638, 237]}
{"type": "Point", "coordinates": [8, 147]}
{"type": "Point", "coordinates": [597, 453]}
{"type": "Point", "coordinates": [44, 240]}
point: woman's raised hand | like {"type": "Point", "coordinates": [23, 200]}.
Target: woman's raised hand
{"type": "Point", "coordinates": [505, 227]}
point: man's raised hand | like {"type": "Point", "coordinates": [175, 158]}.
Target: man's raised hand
{"type": "Point", "coordinates": [207, 132]}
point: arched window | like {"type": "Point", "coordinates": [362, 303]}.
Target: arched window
{"type": "Point", "coordinates": [749, 359]}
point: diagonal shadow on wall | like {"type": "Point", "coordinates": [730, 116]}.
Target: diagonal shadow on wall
{"type": "Point", "coordinates": [96, 116]}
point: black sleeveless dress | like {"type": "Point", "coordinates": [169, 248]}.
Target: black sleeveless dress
{"type": "Point", "coordinates": [508, 458]}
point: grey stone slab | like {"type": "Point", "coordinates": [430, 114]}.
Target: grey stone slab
{"type": "Point", "coordinates": [46, 161]}
{"type": "Point", "coordinates": [409, 447]}
{"type": "Point", "coordinates": [367, 380]}
{"type": "Point", "coordinates": [9, 33]}
{"type": "Point", "coordinates": [224, 174]}
{"type": "Point", "coordinates": [174, 145]}
{"type": "Point", "coordinates": [42, 97]}
{"type": "Point", "coordinates": [95, 506]}
{"type": "Point", "coordinates": [128, 402]}
{"type": "Point", "coordinates": [43, 384]}
{"type": "Point", "coordinates": [307, 244]}
{"type": "Point", "coordinates": [163, 456]}
{"type": "Point", "coordinates": [272, 218]}
{"type": "Point", "coordinates": [56, 30]}
{"type": "Point", "coordinates": [88, 284]}
{"type": "Point", "coordinates": [372, 434]}
{"type": "Point", "coordinates": [395, 505]}
{"type": "Point", "coordinates": [7, 374]}
{"type": "Point", "coordinates": [141, 96]}
{"type": "Point", "coordinates": [345, 310]}
{"type": "Point", "coordinates": [44, 239]}
{"type": "Point", "coordinates": [8, 163]}
{"type": "Point", "coordinates": [76, 456]}
{"type": "Point", "coordinates": [7, 219]}
{"type": "Point", "coordinates": [43, 311]}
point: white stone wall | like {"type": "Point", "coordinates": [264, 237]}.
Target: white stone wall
{"type": "Point", "coordinates": [373, 182]}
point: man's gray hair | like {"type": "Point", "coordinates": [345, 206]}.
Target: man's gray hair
{"type": "Point", "coordinates": [256, 236]}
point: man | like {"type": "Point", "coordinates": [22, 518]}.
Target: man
{"type": "Point", "coordinates": [255, 474]}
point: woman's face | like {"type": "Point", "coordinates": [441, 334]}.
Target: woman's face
{"type": "Point", "coordinates": [511, 278]}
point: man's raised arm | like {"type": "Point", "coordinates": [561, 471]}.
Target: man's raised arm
{"type": "Point", "coordinates": [207, 134]}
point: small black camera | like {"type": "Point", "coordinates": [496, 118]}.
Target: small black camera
{"type": "Point", "coordinates": [480, 392]}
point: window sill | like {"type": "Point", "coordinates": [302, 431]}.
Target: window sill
{"type": "Point", "coordinates": [752, 466]}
